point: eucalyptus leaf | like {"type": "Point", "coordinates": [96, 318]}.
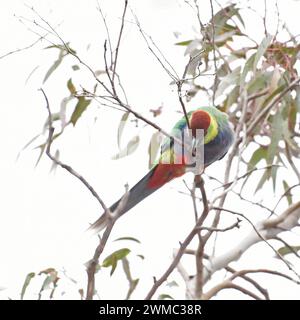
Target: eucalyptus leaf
{"type": "Point", "coordinates": [288, 195]}
{"type": "Point", "coordinates": [183, 43]}
{"type": "Point", "coordinates": [54, 66]}
{"type": "Point", "coordinates": [261, 50]}
{"type": "Point", "coordinates": [154, 147]}
{"type": "Point", "coordinates": [265, 177]}
{"type": "Point", "coordinates": [112, 259]}
{"type": "Point", "coordinates": [247, 67]}
{"type": "Point", "coordinates": [129, 239]}
{"type": "Point", "coordinates": [71, 86]}
{"type": "Point", "coordinates": [231, 79]}
{"type": "Point", "coordinates": [276, 135]}
{"type": "Point", "coordinates": [258, 155]}
{"type": "Point", "coordinates": [165, 296]}
{"type": "Point", "coordinates": [121, 127]}
{"type": "Point", "coordinates": [80, 107]}
{"type": "Point", "coordinates": [288, 249]}
{"type": "Point", "coordinates": [28, 278]}
{"type": "Point", "coordinates": [129, 149]}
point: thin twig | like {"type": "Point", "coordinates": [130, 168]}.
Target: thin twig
{"type": "Point", "coordinates": [119, 40]}
{"type": "Point", "coordinates": [214, 50]}
{"type": "Point", "coordinates": [24, 48]}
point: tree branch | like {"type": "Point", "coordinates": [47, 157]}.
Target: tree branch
{"type": "Point", "coordinates": [182, 248]}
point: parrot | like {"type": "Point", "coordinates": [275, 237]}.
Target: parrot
{"type": "Point", "coordinates": [174, 162]}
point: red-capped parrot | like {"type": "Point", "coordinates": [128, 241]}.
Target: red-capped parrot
{"type": "Point", "coordinates": [174, 160]}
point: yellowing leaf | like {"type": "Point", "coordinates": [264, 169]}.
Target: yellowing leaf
{"type": "Point", "coordinates": [71, 86]}
{"type": "Point", "coordinates": [288, 249]}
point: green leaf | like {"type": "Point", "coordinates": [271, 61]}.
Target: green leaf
{"type": "Point", "coordinates": [276, 134]}
{"type": "Point", "coordinates": [54, 66]}
{"type": "Point", "coordinates": [129, 149]}
{"type": "Point", "coordinates": [272, 95]}
{"type": "Point", "coordinates": [288, 195]}
{"type": "Point", "coordinates": [258, 155]}
{"type": "Point", "coordinates": [258, 83]}
{"type": "Point", "coordinates": [28, 144]}
{"type": "Point", "coordinates": [132, 282]}
{"type": "Point", "coordinates": [164, 297]}
{"type": "Point", "coordinates": [54, 164]}
{"type": "Point", "coordinates": [172, 284]}
{"type": "Point", "coordinates": [261, 50]}
{"type": "Point", "coordinates": [42, 149]}
{"type": "Point", "coordinates": [248, 66]}
{"type": "Point", "coordinates": [51, 278]}
{"type": "Point", "coordinates": [75, 67]}
{"type": "Point", "coordinates": [233, 96]}
{"type": "Point", "coordinates": [265, 177]}
{"type": "Point", "coordinates": [222, 38]}
{"type": "Point", "coordinates": [112, 259]}
{"type": "Point", "coordinates": [231, 79]}
{"type": "Point", "coordinates": [288, 249]}
{"type": "Point", "coordinates": [297, 99]}
{"type": "Point", "coordinates": [71, 86]}
{"type": "Point", "coordinates": [129, 239]}
{"type": "Point", "coordinates": [141, 256]}
{"type": "Point", "coordinates": [221, 17]}
{"type": "Point", "coordinates": [26, 283]}
{"type": "Point", "coordinates": [64, 48]}
{"type": "Point", "coordinates": [121, 127]}
{"type": "Point", "coordinates": [183, 43]}
{"type": "Point", "coordinates": [274, 171]}
{"type": "Point", "coordinates": [154, 147]}
{"type": "Point", "coordinates": [80, 107]}
{"type": "Point", "coordinates": [292, 115]}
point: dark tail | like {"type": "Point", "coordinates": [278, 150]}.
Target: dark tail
{"type": "Point", "coordinates": [136, 194]}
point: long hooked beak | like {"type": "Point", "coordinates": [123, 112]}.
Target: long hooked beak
{"type": "Point", "coordinates": [194, 146]}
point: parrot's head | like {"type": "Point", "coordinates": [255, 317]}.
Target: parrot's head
{"type": "Point", "coordinates": [203, 119]}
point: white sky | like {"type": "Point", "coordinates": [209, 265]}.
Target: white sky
{"type": "Point", "coordinates": [44, 216]}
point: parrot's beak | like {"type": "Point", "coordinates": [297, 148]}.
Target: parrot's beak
{"type": "Point", "coordinates": [194, 146]}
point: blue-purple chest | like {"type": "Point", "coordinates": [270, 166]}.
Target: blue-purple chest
{"type": "Point", "coordinates": [218, 147]}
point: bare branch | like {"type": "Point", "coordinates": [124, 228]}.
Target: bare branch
{"type": "Point", "coordinates": [277, 273]}
{"type": "Point", "coordinates": [63, 165]}
{"type": "Point", "coordinates": [264, 230]}
{"type": "Point", "coordinates": [181, 250]}
{"type": "Point", "coordinates": [228, 285]}
{"type": "Point", "coordinates": [112, 217]}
